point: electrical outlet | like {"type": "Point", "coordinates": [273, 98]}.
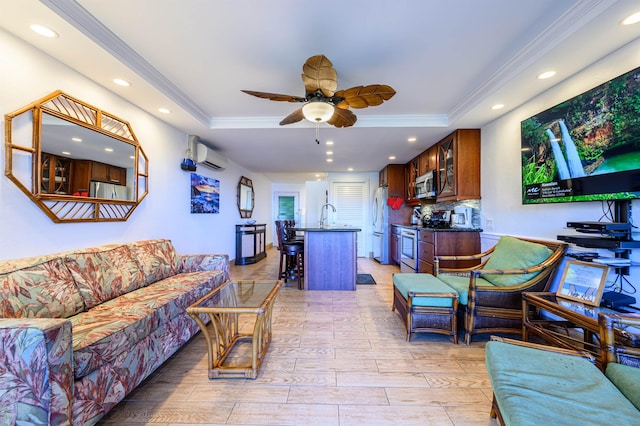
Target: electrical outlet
{"type": "Point", "coordinates": [488, 223]}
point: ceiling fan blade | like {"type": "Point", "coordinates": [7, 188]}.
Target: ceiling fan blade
{"type": "Point", "coordinates": [294, 117]}
{"type": "Point", "coordinates": [365, 96]}
{"type": "Point", "coordinates": [318, 74]}
{"type": "Point", "coordinates": [342, 118]}
{"type": "Point", "coordinates": [274, 96]}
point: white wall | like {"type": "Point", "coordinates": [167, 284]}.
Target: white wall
{"type": "Point", "coordinates": [27, 75]}
{"type": "Point", "coordinates": [501, 166]}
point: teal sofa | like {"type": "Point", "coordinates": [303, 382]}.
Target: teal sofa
{"type": "Point", "coordinates": [540, 385]}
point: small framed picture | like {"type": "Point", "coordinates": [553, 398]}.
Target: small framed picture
{"type": "Point", "coordinates": [583, 282]}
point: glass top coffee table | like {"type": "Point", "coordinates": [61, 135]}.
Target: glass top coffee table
{"type": "Point", "coordinates": [239, 329]}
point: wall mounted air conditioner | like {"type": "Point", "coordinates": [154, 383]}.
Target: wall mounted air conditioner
{"type": "Point", "coordinates": [210, 158]}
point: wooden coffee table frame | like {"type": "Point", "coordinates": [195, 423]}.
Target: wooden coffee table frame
{"type": "Point", "coordinates": [222, 334]}
{"type": "Point", "coordinates": [572, 330]}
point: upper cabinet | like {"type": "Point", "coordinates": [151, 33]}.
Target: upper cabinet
{"type": "Point", "coordinates": [418, 166]}
{"type": "Point", "coordinates": [458, 165]}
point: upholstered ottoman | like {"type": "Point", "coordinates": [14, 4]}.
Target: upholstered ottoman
{"type": "Point", "coordinates": [425, 304]}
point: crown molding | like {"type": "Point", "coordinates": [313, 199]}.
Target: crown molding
{"type": "Point", "coordinates": [576, 17]}
{"type": "Point", "coordinates": [425, 120]}
{"type": "Point", "coordinates": [87, 24]}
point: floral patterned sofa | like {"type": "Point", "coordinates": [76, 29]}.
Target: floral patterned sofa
{"type": "Point", "coordinates": [80, 330]}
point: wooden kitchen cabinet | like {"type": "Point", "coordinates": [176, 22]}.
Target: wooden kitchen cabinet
{"type": "Point", "coordinates": [458, 165]}
{"type": "Point", "coordinates": [86, 171]}
{"type": "Point", "coordinates": [56, 174]}
{"type": "Point", "coordinates": [441, 243]}
{"type": "Point", "coordinates": [394, 249]}
{"type": "Point", "coordinates": [395, 175]}
{"type": "Point", "coordinates": [411, 173]}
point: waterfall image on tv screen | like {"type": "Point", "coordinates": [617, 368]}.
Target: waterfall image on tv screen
{"type": "Point", "coordinates": [586, 148]}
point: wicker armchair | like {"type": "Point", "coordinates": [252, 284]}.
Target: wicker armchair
{"type": "Point", "coordinates": [493, 297]}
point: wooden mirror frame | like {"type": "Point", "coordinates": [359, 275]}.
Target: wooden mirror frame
{"type": "Point", "coordinates": [246, 183]}
{"type": "Point", "coordinates": [23, 143]}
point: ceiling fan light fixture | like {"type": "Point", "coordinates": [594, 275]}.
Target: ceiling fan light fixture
{"type": "Point", "coordinates": [317, 111]}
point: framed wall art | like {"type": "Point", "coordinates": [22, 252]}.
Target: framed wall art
{"type": "Point", "coordinates": [205, 194]}
{"type": "Point", "coordinates": [583, 282]}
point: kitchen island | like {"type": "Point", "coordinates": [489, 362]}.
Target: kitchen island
{"type": "Point", "coordinates": [330, 258]}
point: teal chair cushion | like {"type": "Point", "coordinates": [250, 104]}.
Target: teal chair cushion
{"type": "Point", "coordinates": [425, 283]}
{"type": "Point", "coordinates": [514, 253]}
{"type": "Point", "coordinates": [461, 285]}
{"type": "Point", "coordinates": [535, 387]}
{"type": "Point", "coordinates": [627, 380]}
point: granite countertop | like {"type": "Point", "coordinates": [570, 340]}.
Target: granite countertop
{"type": "Point", "coordinates": [331, 228]}
{"type": "Point", "coordinates": [423, 228]}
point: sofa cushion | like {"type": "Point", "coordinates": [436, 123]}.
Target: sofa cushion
{"type": "Point", "coordinates": [627, 380]}
{"type": "Point", "coordinates": [425, 283]}
{"type": "Point", "coordinates": [514, 253]}
{"type": "Point", "coordinates": [536, 387]}
{"type": "Point", "coordinates": [101, 274]}
{"type": "Point", "coordinates": [40, 287]}
{"type": "Point", "coordinates": [157, 259]}
{"type": "Point", "coordinates": [101, 334]}
{"type": "Point", "coordinates": [461, 285]}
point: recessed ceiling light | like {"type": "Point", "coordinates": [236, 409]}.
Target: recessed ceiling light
{"type": "Point", "coordinates": [164, 111]}
{"type": "Point", "coordinates": [317, 175]}
{"type": "Point", "coordinates": [350, 169]}
{"type": "Point", "coordinates": [546, 74]}
{"type": "Point", "coordinates": [392, 157]}
{"type": "Point", "coordinates": [76, 139]}
{"type": "Point", "coordinates": [121, 82]}
{"type": "Point", "coordinates": [498, 106]}
{"type": "Point", "coordinates": [329, 152]}
{"type": "Point", "coordinates": [44, 31]}
{"type": "Point", "coordinates": [329, 142]}
{"type": "Point", "coordinates": [132, 157]}
{"type": "Point", "coordinates": [412, 139]}
{"type": "Point", "coordinates": [109, 149]}
{"type": "Point", "coordinates": [631, 19]}
{"type": "Point", "coordinates": [66, 153]}
{"type": "Point", "coordinates": [329, 160]}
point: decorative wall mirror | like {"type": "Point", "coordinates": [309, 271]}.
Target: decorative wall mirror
{"type": "Point", "coordinates": [245, 197]}
{"type": "Point", "coordinates": [76, 162]}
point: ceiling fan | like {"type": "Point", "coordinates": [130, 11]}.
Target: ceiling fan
{"type": "Point", "coordinates": [322, 102]}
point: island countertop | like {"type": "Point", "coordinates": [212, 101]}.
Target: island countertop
{"type": "Point", "coordinates": [327, 229]}
{"type": "Point", "coordinates": [330, 258]}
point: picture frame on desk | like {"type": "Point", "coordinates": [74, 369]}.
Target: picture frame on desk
{"type": "Point", "coordinates": [583, 282]}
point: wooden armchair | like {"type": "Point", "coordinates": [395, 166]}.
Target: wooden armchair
{"type": "Point", "coordinates": [492, 290]}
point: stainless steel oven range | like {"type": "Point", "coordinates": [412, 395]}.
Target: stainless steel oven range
{"type": "Point", "coordinates": [408, 250]}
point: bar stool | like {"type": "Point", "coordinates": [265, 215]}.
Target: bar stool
{"type": "Point", "coordinates": [291, 255]}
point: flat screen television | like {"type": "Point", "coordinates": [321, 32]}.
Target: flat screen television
{"type": "Point", "coordinates": [586, 148]}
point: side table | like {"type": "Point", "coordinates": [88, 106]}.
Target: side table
{"type": "Point", "coordinates": [562, 323]}
{"type": "Point", "coordinates": [232, 308]}
{"type": "Point", "coordinates": [250, 243]}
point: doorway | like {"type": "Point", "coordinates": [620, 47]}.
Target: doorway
{"type": "Point", "coordinates": [351, 200]}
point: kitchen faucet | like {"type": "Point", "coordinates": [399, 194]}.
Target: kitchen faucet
{"type": "Point", "coordinates": [322, 210]}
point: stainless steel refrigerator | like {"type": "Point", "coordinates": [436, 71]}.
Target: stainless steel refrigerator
{"type": "Point", "coordinates": [108, 190]}
{"type": "Point", "coordinates": [380, 211]}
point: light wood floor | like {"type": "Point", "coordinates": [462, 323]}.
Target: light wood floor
{"type": "Point", "coordinates": [336, 358]}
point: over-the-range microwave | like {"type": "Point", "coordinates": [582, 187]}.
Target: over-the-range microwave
{"type": "Point", "coordinates": [426, 185]}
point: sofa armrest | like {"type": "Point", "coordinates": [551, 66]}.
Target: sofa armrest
{"type": "Point", "coordinates": [36, 370]}
{"type": "Point", "coordinates": [583, 354]}
{"type": "Point", "coordinates": [205, 262]}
